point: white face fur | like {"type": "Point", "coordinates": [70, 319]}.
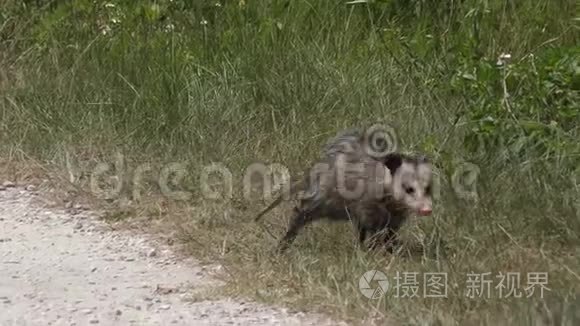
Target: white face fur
{"type": "Point", "coordinates": [411, 185]}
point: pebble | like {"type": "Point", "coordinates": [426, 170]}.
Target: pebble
{"type": "Point", "coordinates": [30, 188]}
{"type": "Point", "coordinates": [8, 184]}
{"type": "Point", "coordinates": [94, 266]}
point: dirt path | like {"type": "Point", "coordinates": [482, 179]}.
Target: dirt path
{"type": "Point", "coordinates": [58, 268]}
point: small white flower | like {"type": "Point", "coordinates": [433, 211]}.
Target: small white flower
{"type": "Point", "coordinates": [105, 30]}
{"type": "Point", "coordinates": [217, 4]}
{"type": "Point", "coordinates": [203, 22]}
{"type": "Point", "coordinates": [109, 5]}
{"type": "Point", "coordinates": [503, 58]}
{"type": "Point", "coordinates": [506, 56]}
{"type": "Point", "coordinates": [169, 27]}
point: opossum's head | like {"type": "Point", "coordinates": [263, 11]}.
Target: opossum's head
{"type": "Point", "coordinates": [411, 182]}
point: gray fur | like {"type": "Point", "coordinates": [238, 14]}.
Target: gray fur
{"type": "Point", "coordinates": [378, 210]}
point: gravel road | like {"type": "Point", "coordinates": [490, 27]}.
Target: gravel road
{"type": "Point", "coordinates": [60, 268]}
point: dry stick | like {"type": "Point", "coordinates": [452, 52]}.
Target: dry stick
{"type": "Point", "coordinates": [561, 264]}
{"type": "Point", "coordinates": [509, 236]}
{"type": "Point", "coordinates": [506, 95]}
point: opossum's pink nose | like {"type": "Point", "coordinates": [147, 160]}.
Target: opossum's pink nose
{"type": "Point", "coordinates": [425, 211]}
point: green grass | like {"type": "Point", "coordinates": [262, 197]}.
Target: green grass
{"type": "Point", "coordinates": [269, 82]}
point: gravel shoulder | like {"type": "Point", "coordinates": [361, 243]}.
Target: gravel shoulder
{"type": "Point", "coordinates": [63, 268]}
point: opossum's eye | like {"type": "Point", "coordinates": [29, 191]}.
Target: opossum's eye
{"type": "Point", "coordinates": [409, 190]}
{"type": "Point", "coordinates": [428, 190]}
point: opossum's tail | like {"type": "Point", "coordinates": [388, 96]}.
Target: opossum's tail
{"type": "Point", "coordinates": [269, 208]}
{"type": "Point", "coordinates": [294, 188]}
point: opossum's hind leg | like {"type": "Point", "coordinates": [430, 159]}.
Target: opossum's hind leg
{"type": "Point", "coordinates": [297, 222]}
{"type": "Point", "coordinates": [310, 208]}
{"type": "Point", "coordinates": [300, 218]}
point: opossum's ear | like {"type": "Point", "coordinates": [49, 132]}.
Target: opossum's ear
{"type": "Point", "coordinates": [393, 161]}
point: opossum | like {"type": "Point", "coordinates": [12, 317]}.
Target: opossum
{"type": "Point", "coordinates": [374, 188]}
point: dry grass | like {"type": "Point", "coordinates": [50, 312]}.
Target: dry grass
{"type": "Point", "coordinates": [321, 272]}
{"type": "Point", "coordinates": [270, 83]}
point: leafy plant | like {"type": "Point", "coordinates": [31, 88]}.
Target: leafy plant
{"type": "Point", "coordinates": [531, 104]}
